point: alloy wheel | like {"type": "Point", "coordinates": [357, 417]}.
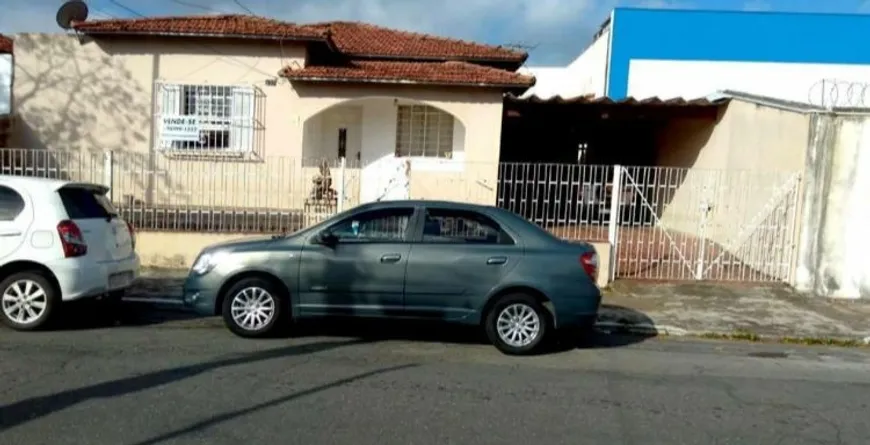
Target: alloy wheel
{"type": "Point", "coordinates": [24, 301]}
{"type": "Point", "coordinates": [253, 308]}
{"type": "Point", "coordinates": [518, 325]}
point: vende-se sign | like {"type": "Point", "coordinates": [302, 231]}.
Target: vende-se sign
{"type": "Point", "coordinates": [180, 128]}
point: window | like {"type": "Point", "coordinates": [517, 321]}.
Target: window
{"type": "Point", "coordinates": [452, 226]}
{"type": "Point", "coordinates": [376, 226]}
{"type": "Point", "coordinates": [211, 118]}
{"type": "Point", "coordinates": [11, 204]}
{"type": "Point", "coordinates": [424, 131]}
{"type": "Point", "coordinates": [83, 203]}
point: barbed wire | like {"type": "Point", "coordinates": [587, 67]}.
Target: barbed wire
{"type": "Point", "coordinates": [836, 93]}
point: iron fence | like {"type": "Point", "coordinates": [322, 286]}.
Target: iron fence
{"type": "Point", "coordinates": [155, 192]}
{"type": "Point", "coordinates": [277, 194]}
{"type": "Point", "coordinates": [569, 200]}
{"type": "Point", "coordinates": [662, 223]}
{"type": "Point", "coordinates": [68, 165]}
{"type": "Point", "coordinates": [699, 224]}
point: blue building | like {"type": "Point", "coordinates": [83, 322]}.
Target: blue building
{"type": "Point", "coordinates": [667, 53]}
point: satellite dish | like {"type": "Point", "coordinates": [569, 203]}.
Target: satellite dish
{"type": "Point", "coordinates": [71, 12]}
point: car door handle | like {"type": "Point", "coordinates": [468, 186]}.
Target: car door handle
{"type": "Point", "coordinates": [495, 260]}
{"type": "Point", "coordinates": [391, 258]}
{"type": "Point", "coordinates": [10, 233]}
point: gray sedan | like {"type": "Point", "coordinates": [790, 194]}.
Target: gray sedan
{"type": "Point", "coordinates": [432, 260]}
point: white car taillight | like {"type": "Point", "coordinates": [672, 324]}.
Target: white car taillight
{"type": "Point", "coordinates": [71, 239]}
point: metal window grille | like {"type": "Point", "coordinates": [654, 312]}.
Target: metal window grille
{"type": "Point", "coordinates": [223, 117]}
{"type": "Point", "coordinates": [424, 131]}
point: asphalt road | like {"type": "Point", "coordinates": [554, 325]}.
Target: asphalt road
{"type": "Point", "coordinates": [163, 381]}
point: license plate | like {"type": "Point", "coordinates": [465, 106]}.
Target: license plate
{"type": "Point", "coordinates": [122, 279]}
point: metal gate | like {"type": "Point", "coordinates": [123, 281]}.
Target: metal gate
{"type": "Point", "coordinates": [694, 224]}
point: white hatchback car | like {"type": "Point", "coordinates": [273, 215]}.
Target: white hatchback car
{"type": "Point", "coordinates": [59, 241]}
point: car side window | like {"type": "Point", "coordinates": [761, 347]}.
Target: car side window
{"type": "Point", "coordinates": [462, 227]}
{"type": "Point", "coordinates": [11, 204]}
{"type": "Point", "coordinates": [386, 225]}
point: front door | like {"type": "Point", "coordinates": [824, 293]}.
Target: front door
{"type": "Point", "coordinates": [461, 257]}
{"type": "Point", "coordinates": [364, 272]}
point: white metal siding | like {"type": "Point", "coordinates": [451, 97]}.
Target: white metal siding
{"type": "Point", "coordinates": [585, 75]}
{"type": "Point", "coordinates": [5, 83]}
{"type": "Point", "coordinates": [694, 79]}
{"type": "Point", "coordinates": [591, 67]}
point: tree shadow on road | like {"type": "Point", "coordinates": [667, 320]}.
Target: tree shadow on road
{"type": "Point", "coordinates": [34, 408]}
{"type": "Point", "coordinates": [212, 421]}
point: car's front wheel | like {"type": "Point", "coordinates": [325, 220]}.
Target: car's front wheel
{"type": "Point", "coordinates": [517, 324]}
{"type": "Point", "coordinates": [28, 301]}
{"type": "Point", "coordinates": [253, 308]}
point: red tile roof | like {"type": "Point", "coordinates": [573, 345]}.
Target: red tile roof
{"type": "Point", "coordinates": [5, 45]}
{"type": "Point", "coordinates": [432, 73]}
{"type": "Point", "coordinates": [365, 40]}
{"type": "Point", "coordinates": [351, 38]}
{"type": "Point", "coordinates": [209, 26]}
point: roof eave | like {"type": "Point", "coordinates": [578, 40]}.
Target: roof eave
{"type": "Point", "coordinates": [203, 35]}
{"type": "Point", "coordinates": [316, 79]}
{"type": "Point", "coordinates": [589, 100]}
{"type": "Point", "coordinates": [412, 58]}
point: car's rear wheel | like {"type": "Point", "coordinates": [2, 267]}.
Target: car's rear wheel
{"type": "Point", "coordinates": [254, 308]}
{"type": "Point", "coordinates": [28, 301]}
{"type": "Point", "coordinates": [517, 324]}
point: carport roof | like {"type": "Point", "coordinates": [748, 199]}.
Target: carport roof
{"type": "Point", "coordinates": [629, 101]}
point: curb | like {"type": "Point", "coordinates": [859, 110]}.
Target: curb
{"type": "Point", "coordinates": [642, 329]}
{"type": "Point", "coordinates": [674, 331]}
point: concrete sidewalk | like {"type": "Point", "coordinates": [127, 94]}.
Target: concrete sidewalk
{"type": "Point", "coordinates": [697, 309]}
{"type": "Point", "coordinates": [738, 310]}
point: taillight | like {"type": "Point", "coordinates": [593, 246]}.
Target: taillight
{"type": "Point", "coordinates": [132, 234]}
{"type": "Point", "coordinates": [71, 239]}
{"type": "Point", "coordinates": [589, 261]}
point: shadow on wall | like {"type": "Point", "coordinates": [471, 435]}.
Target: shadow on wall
{"type": "Point", "coordinates": [76, 101]}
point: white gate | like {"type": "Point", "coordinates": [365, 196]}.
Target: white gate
{"type": "Point", "coordinates": [695, 224]}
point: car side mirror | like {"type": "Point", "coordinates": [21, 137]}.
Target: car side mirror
{"type": "Point", "coordinates": [326, 238]}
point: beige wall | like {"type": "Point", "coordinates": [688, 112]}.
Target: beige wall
{"type": "Point", "coordinates": [603, 250]}
{"type": "Point", "coordinates": [96, 95]}
{"type": "Point", "coordinates": [742, 166]}
{"type": "Point", "coordinates": [478, 114]}
{"type": "Point", "coordinates": [747, 136]}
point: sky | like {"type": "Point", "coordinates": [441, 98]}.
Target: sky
{"type": "Point", "coordinates": [553, 31]}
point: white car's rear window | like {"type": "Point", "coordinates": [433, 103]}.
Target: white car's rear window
{"type": "Point", "coordinates": [84, 203]}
